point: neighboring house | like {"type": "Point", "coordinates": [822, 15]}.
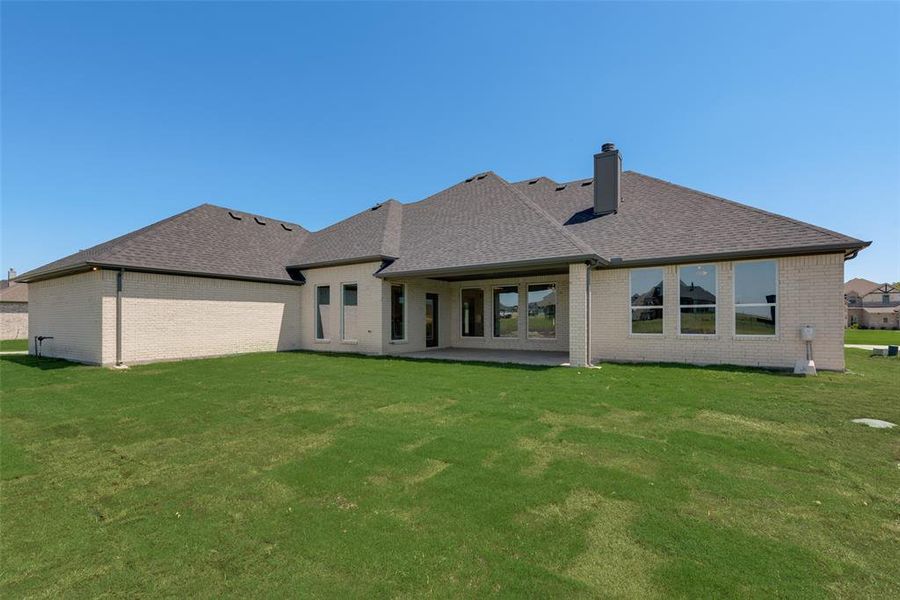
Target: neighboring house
{"type": "Point", "coordinates": [13, 308]}
{"type": "Point", "coordinates": [619, 266]}
{"type": "Point", "coordinates": [871, 305]}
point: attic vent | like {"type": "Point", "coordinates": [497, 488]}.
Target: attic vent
{"type": "Point", "coordinates": [533, 181]}
{"type": "Point", "coordinates": [482, 176]}
{"type": "Point", "coordinates": [470, 179]}
{"type": "Point", "coordinates": [258, 220]}
{"type": "Point", "coordinates": [234, 216]}
{"type": "Point", "coordinates": [286, 228]}
{"type": "Point", "coordinates": [560, 188]}
{"type": "Point", "coordinates": [588, 182]}
{"type": "Point", "coordinates": [376, 207]}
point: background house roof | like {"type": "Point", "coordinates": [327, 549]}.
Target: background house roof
{"type": "Point", "coordinates": [206, 240]}
{"type": "Point", "coordinates": [14, 293]}
{"type": "Point", "coordinates": [859, 286]}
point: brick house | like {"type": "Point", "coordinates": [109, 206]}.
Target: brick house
{"type": "Point", "coordinates": [13, 308]}
{"type": "Point", "coordinates": [618, 266]}
{"type": "Point", "coordinates": [871, 305]}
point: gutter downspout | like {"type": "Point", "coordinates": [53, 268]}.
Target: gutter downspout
{"type": "Point", "coordinates": [120, 284]}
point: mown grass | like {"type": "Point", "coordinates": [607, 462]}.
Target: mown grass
{"type": "Point", "coordinates": [13, 345]}
{"type": "Point", "coordinates": [313, 475]}
{"type": "Point", "coordinates": [872, 336]}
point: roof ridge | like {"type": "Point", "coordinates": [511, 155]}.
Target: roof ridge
{"type": "Point", "coordinates": [535, 179]}
{"type": "Point", "coordinates": [575, 240]}
{"type": "Point", "coordinates": [834, 234]}
{"type": "Point", "coordinates": [237, 210]}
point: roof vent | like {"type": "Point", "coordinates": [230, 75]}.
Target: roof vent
{"type": "Point", "coordinates": [258, 220]}
{"type": "Point", "coordinates": [234, 216]}
{"type": "Point", "coordinates": [286, 228]}
{"type": "Point", "coordinates": [560, 188]}
{"type": "Point", "coordinates": [533, 181]}
{"type": "Point", "coordinates": [482, 176]}
{"type": "Point", "coordinates": [470, 179]}
{"type": "Point", "coordinates": [376, 207]}
{"type": "Point", "coordinates": [586, 183]}
{"type": "Point", "coordinates": [607, 147]}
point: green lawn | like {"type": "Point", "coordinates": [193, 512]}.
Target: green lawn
{"type": "Point", "coordinates": [9, 345]}
{"type": "Point", "coordinates": [872, 336]}
{"type": "Point", "coordinates": [297, 474]}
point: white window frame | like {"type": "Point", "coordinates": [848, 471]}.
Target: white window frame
{"type": "Point", "coordinates": [680, 305]}
{"type": "Point", "coordinates": [494, 312]}
{"type": "Point", "coordinates": [405, 306]}
{"type": "Point", "coordinates": [555, 325]}
{"type": "Point", "coordinates": [631, 308]}
{"type": "Point", "coordinates": [735, 305]}
{"type": "Point", "coordinates": [344, 337]}
{"type": "Point", "coordinates": [462, 321]}
{"type": "Point", "coordinates": [316, 313]}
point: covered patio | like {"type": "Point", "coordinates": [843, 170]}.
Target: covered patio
{"type": "Point", "coordinates": [521, 357]}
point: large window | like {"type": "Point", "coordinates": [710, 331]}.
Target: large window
{"type": "Point", "coordinates": [472, 312]}
{"type": "Point", "coordinates": [506, 311]}
{"type": "Point", "coordinates": [542, 311]}
{"type": "Point", "coordinates": [323, 299]}
{"type": "Point", "coordinates": [647, 301]}
{"type": "Point", "coordinates": [348, 311]}
{"type": "Point", "coordinates": [697, 299]}
{"type": "Point", "coordinates": [398, 313]}
{"type": "Point", "coordinates": [755, 298]}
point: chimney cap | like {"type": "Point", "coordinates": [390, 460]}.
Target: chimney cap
{"type": "Point", "coordinates": [608, 147]}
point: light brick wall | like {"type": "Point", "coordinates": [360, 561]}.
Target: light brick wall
{"type": "Point", "coordinates": [810, 291]}
{"type": "Point", "coordinates": [578, 326]}
{"type": "Point", "coordinates": [167, 317]}
{"type": "Point", "coordinates": [69, 310]}
{"type": "Point", "coordinates": [370, 298]}
{"type": "Point", "coordinates": [13, 320]}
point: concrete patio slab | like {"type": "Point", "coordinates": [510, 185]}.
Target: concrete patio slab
{"type": "Point", "coordinates": [521, 357]}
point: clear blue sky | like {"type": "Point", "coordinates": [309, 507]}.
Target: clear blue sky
{"type": "Point", "coordinates": [115, 115]}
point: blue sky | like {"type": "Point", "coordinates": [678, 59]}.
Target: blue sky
{"type": "Point", "coordinates": [115, 115]}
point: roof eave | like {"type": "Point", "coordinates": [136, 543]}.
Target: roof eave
{"type": "Point", "coordinates": [492, 268]}
{"type": "Point", "coordinates": [847, 249]}
{"type": "Point", "coordinates": [93, 266]}
{"type": "Point", "coordinates": [342, 261]}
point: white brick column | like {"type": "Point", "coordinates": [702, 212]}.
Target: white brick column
{"type": "Point", "coordinates": [579, 341]}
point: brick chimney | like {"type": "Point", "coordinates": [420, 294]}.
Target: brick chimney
{"type": "Point", "coordinates": [607, 180]}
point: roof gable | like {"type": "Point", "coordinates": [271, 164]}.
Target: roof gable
{"type": "Point", "coordinates": [481, 221]}
{"type": "Point", "coordinates": [371, 234]}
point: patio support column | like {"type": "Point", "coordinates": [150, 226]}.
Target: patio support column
{"type": "Point", "coordinates": [579, 311]}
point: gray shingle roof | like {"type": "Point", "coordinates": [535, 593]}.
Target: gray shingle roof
{"type": "Point", "coordinates": [660, 221]}
{"type": "Point", "coordinates": [206, 240]}
{"type": "Point", "coordinates": [371, 234]}
{"type": "Point", "coordinates": [482, 223]}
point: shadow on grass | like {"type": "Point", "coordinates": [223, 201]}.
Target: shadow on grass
{"type": "Point", "coordinates": [771, 371]}
{"type": "Point", "coordinates": [436, 361]}
{"type": "Point", "coordinates": [44, 364]}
